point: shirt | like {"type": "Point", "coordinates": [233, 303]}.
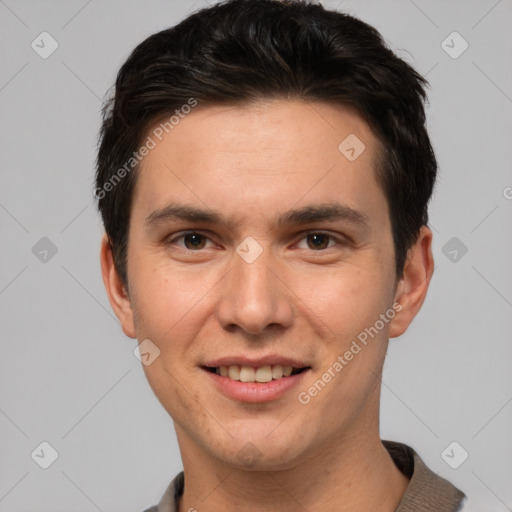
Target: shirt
{"type": "Point", "coordinates": [426, 492]}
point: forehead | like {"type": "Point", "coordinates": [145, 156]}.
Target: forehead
{"type": "Point", "coordinates": [261, 157]}
{"type": "Point", "coordinates": [283, 127]}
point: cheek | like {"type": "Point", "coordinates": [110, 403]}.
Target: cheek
{"type": "Point", "coordinates": [346, 300]}
{"type": "Point", "coordinates": [168, 310]}
{"type": "Point", "coordinates": [166, 300]}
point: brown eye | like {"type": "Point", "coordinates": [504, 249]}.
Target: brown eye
{"type": "Point", "coordinates": [194, 241]}
{"type": "Point", "coordinates": [318, 241]}
{"type": "Point", "coordinates": [191, 241]}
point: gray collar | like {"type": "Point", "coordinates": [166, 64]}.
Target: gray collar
{"type": "Point", "coordinates": [427, 491]}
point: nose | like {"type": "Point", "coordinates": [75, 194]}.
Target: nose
{"type": "Point", "coordinates": [255, 298]}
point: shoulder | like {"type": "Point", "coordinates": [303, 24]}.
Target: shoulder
{"type": "Point", "coordinates": [169, 501]}
{"type": "Point", "coordinates": [427, 490]}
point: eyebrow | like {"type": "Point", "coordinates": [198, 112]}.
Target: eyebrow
{"type": "Point", "coordinates": [330, 212]}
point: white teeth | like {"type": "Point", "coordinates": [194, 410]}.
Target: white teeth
{"type": "Point", "coordinates": [234, 372]}
{"type": "Point", "coordinates": [263, 374]}
{"type": "Point", "coordinates": [277, 371]}
{"type": "Point", "coordinates": [250, 374]}
{"type": "Point", "coordinates": [247, 374]}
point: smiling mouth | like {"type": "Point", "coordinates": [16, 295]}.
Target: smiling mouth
{"type": "Point", "coordinates": [250, 374]}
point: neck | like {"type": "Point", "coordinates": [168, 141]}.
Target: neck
{"type": "Point", "coordinates": [345, 475]}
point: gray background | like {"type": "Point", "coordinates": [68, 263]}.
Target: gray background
{"type": "Point", "coordinates": [68, 375]}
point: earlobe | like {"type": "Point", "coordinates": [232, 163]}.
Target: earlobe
{"type": "Point", "coordinates": [413, 286]}
{"type": "Point", "coordinates": [116, 290]}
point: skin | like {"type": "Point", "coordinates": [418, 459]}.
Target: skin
{"type": "Point", "coordinates": [252, 164]}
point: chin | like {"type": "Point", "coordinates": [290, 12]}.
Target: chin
{"type": "Point", "coordinates": [252, 458]}
{"type": "Point", "coordinates": [263, 452]}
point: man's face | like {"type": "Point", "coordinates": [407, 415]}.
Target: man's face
{"type": "Point", "coordinates": [260, 287]}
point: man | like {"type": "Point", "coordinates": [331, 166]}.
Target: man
{"type": "Point", "coordinates": [263, 177]}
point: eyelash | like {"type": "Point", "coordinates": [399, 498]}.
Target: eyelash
{"type": "Point", "coordinates": [171, 241]}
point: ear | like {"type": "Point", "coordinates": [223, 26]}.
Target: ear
{"type": "Point", "coordinates": [413, 285]}
{"type": "Point", "coordinates": [116, 291]}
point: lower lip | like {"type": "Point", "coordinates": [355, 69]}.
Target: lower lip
{"type": "Point", "coordinates": [255, 391]}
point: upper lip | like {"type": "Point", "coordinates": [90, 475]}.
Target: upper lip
{"type": "Point", "coordinates": [258, 362]}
